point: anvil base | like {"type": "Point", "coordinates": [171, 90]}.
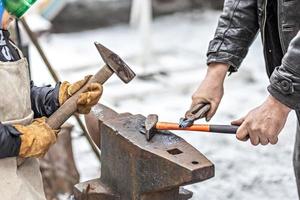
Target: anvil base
{"type": "Point", "coordinates": [95, 190]}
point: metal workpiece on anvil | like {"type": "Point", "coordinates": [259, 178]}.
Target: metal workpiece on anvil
{"type": "Point", "coordinates": [134, 169]}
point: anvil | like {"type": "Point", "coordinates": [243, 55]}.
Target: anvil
{"type": "Point", "coordinates": [135, 169]}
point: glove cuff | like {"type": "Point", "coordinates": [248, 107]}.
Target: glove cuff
{"type": "Point", "coordinates": [63, 92]}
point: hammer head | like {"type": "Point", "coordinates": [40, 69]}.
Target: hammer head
{"type": "Point", "coordinates": [150, 126]}
{"type": "Point", "coordinates": [116, 64]}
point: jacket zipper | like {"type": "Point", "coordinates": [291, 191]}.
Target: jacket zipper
{"type": "Point", "coordinates": [264, 36]}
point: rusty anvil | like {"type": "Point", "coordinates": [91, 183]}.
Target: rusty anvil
{"type": "Point", "coordinates": [134, 169]}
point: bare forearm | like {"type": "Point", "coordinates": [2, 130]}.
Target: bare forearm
{"type": "Point", "coordinates": [217, 71]}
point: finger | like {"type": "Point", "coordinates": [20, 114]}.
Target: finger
{"type": "Point", "coordinates": [93, 102]}
{"type": "Point", "coordinates": [94, 98]}
{"type": "Point", "coordinates": [263, 140]}
{"type": "Point", "coordinates": [196, 100]}
{"type": "Point", "coordinates": [83, 98]}
{"type": "Point", "coordinates": [242, 133]}
{"type": "Point", "coordinates": [197, 104]}
{"type": "Point", "coordinates": [197, 112]}
{"type": "Point", "coordinates": [75, 87]}
{"type": "Point", "coordinates": [63, 92]}
{"type": "Point", "coordinates": [95, 93]}
{"type": "Point", "coordinates": [90, 104]}
{"type": "Point", "coordinates": [254, 139]}
{"type": "Point", "coordinates": [246, 138]}
{"type": "Point", "coordinates": [95, 87]}
{"type": "Point", "coordinates": [212, 111]}
{"type": "Point", "coordinates": [89, 98]}
{"type": "Point", "coordinates": [273, 140]}
{"type": "Point", "coordinates": [238, 122]}
{"type": "Point", "coordinates": [84, 110]}
{"type": "Point", "coordinates": [272, 133]}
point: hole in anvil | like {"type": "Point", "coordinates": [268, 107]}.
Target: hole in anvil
{"type": "Point", "coordinates": [174, 151]}
{"type": "Point", "coordinates": [195, 162]}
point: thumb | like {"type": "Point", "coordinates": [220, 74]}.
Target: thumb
{"type": "Point", "coordinates": [212, 111]}
{"type": "Point", "coordinates": [238, 122]}
{"type": "Point", "coordinates": [75, 87]}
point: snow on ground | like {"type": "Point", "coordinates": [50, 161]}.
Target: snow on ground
{"type": "Point", "coordinates": [179, 46]}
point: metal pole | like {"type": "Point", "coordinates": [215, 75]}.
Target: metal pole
{"type": "Point", "coordinates": [18, 34]}
{"type": "Point", "coordinates": [37, 45]}
{"type": "Point", "coordinates": [23, 47]}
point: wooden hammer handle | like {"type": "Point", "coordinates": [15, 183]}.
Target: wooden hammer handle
{"type": "Point", "coordinates": [228, 129]}
{"type": "Point", "coordinates": [70, 106]}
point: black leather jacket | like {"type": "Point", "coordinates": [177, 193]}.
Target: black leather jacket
{"type": "Point", "coordinates": [279, 24]}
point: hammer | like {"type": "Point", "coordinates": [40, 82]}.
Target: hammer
{"type": "Point", "coordinates": [152, 126]}
{"type": "Point", "coordinates": [114, 64]}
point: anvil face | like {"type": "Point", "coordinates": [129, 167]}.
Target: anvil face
{"type": "Point", "coordinates": [134, 168]}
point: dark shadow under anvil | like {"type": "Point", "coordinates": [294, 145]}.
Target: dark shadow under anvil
{"type": "Point", "coordinates": [134, 169]}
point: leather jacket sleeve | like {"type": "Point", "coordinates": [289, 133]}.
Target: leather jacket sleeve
{"type": "Point", "coordinates": [44, 100]}
{"type": "Point", "coordinates": [10, 141]}
{"type": "Point", "coordinates": [285, 80]}
{"type": "Point", "coordinates": [237, 29]}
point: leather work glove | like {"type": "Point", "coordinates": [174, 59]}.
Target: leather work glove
{"type": "Point", "coordinates": [86, 100]}
{"type": "Point", "coordinates": [36, 138]}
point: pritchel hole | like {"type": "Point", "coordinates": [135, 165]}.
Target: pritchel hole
{"type": "Point", "coordinates": [195, 163]}
{"type": "Point", "coordinates": [174, 151]}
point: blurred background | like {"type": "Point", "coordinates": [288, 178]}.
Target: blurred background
{"type": "Point", "coordinates": [165, 42]}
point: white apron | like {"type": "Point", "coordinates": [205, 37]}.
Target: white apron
{"type": "Point", "coordinates": [19, 178]}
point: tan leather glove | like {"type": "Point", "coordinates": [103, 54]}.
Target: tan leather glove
{"type": "Point", "coordinates": [36, 138]}
{"type": "Point", "coordinates": [86, 100]}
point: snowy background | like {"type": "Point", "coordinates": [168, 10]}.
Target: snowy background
{"type": "Point", "coordinates": [179, 44]}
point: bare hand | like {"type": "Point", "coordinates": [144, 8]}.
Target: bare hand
{"type": "Point", "coordinates": [211, 89]}
{"type": "Point", "coordinates": [264, 123]}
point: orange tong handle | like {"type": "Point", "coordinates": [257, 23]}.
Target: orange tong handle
{"type": "Point", "coordinates": [175, 127]}
{"type": "Point", "coordinates": [225, 129]}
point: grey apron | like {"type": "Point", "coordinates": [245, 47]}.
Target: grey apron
{"type": "Point", "coordinates": [19, 178]}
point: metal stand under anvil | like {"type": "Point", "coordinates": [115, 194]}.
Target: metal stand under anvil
{"type": "Point", "coordinates": [134, 169]}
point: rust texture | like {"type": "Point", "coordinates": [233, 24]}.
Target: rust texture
{"type": "Point", "coordinates": [134, 169]}
{"type": "Point", "coordinates": [115, 63]}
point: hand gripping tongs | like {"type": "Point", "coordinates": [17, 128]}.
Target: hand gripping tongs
{"type": "Point", "coordinates": [196, 112]}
